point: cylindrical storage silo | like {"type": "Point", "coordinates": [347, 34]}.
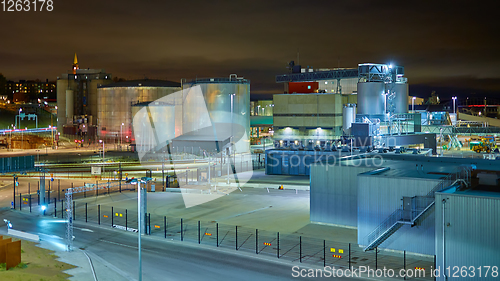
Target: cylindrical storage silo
{"type": "Point", "coordinates": [115, 106]}
{"type": "Point", "coordinates": [371, 98]}
{"type": "Point", "coordinates": [223, 96]}
{"type": "Point", "coordinates": [401, 99]}
{"type": "Point", "coordinates": [348, 117]}
{"type": "Point", "coordinates": [69, 105]}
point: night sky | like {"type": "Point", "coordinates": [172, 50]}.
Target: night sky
{"type": "Point", "coordinates": [451, 46]}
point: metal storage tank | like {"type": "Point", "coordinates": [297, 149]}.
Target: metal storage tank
{"type": "Point", "coordinates": [115, 104]}
{"type": "Point", "coordinates": [222, 94]}
{"type": "Point", "coordinates": [348, 117]}
{"type": "Point", "coordinates": [371, 98]}
{"type": "Point", "coordinates": [401, 99]}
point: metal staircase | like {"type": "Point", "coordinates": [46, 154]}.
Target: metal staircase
{"type": "Point", "coordinates": [414, 208]}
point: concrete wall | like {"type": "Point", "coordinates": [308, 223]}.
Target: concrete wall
{"type": "Point", "coordinates": [379, 196]}
{"type": "Point", "coordinates": [471, 233]}
{"type": "Point", "coordinates": [334, 194]}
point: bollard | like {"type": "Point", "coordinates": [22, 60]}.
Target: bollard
{"type": "Point", "coordinates": [149, 223]}
{"type": "Point", "coordinates": [113, 216]}
{"type": "Point", "coordinates": [98, 214]}
{"type": "Point", "coordinates": [126, 219]}
{"type": "Point", "coordinates": [85, 212]}
{"type": "Point", "coordinates": [217, 233]}
{"type": "Point", "coordinates": [30, 202]}
{"type": "Point", "coordinates": [165, 225]}
{"type": "Point", "coordinates": [55, 208]}
{"type": "Point", "coordinates": [199, 232]}
{"type": "Point", "coordinates": [74, 213]}
{"type": "Point", "coordinates": [236, 244]}
{"type": "Point", "coordinates": [20, 201]}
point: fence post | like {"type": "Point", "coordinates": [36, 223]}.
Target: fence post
{"type": "Point", "coordinates": [113, 216]}
{"type": "Point", "coordinates": [182, 234]}
{"type": "Point", "coordinates": [98, 214]}
{"type": "Point", "coordinates": [62, 209]}
{"type": "Point", "coordinates": [217, 231]}
{"type": "Point", "coordinates": [126, 219]}
{"type": "Point", "coordinates": [38, 194]}
{"type": "Point", "coordinates": [349, 255]}
{"type": "Point", "coordinates": [96, 189]}
{"type": "Point", "coordinates": [300, 248]}
{"type": "Point", "coordinates": [236, 244]}
{"type": "Point", "coordinates": [324, 253]}
{"type": "Point", "coordinates": [20, 201]}
{"type": "Point", "coordinates": [165, 225]}
{"type": "Point", "coordinates": [30, 202]}
{"type": "Point", "coordinates": [108, 186]}
{"type": "Point", "coordinates": [74, 213]}
{"type": "Point", "coordinates": [84, 190]}
{"type": "Point", "coordinates": [149, 223]}
{"type": "Point", "coordinates": [434, 267]}
{"type": "Point", "coordinates": [256, 241]}
{"type": "Point", "coordinates": [404, 263]}
{"type": "Point", "coordinates": [278, 248]}
{"type": "Point", "coordinates": [199, 232]}
{"type": "Point", "coordinates": [85, 211]}
{"type": "Point", "coordinates": [55, 208]}
{"type": "Point", "coordinates": [59, 189]}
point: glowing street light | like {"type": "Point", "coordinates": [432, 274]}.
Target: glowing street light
{"type": "Point", "coordinates": [454, 99]}
{"type": "Point", "coordinates": [139, 216]}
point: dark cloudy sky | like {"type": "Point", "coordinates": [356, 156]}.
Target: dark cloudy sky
{"type": "Point", "coordinates": [442, 44]}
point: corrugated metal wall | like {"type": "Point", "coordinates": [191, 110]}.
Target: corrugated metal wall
{"type": "Point", "coordinates": [334, 194]}
{"type": "Point", "coordinates": [379, 196]}
{"type": "Point", "coordinates": [472, 234]}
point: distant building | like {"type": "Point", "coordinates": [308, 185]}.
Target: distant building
{"type": "Point", "coordinates": [77, 97]}
{"type": "Point", "coordinates": [29, 90]}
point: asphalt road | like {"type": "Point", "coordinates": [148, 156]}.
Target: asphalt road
{"type": "Point", "coordinates": [162, 260]}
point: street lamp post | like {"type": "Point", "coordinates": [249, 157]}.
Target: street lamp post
{"type": "Point", "coordinates": [454, 99]}
{"type": "Point", "coordinates": [139, 217]}
{"type": "Point", "coordinates": [102, 155]}
{"type": "Point", "coordinates": [121, 135]}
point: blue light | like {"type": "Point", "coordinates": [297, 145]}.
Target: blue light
{"type": "Point", "coordinates": [44, 207]}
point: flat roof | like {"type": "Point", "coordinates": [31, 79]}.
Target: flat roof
{"type": "Point", "coordinates": [143, 83]}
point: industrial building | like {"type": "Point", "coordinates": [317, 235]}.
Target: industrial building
{"type": "Point", "coordinates": [77, 102]}
{"type": "Point", "coordinates": [397, 200]}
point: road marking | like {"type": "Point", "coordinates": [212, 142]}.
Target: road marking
{"type": "Point", "coordinates": [52, 236]}
{"type": "Point", "coordinates": [83, 229]}
{"type": "Point", "coordinates": [119, 244]}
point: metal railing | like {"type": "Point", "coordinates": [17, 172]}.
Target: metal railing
{"type": "Point", "coordinates": [419, 205]}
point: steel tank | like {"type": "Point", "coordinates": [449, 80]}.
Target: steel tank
{"type": "Point", "coordinates": [115, 105]}
{"type": "Point", "coordinates": [371, 98]}
{"type": "Point", "coordinates": [224, 96]}
{"type": "Point", "coordinates": [400, 100]}
{"type": "Point", "coordinates": [348, 117]}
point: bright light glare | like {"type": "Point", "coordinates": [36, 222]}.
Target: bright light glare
{"type": "Point", "coordinates": [44, 207]}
